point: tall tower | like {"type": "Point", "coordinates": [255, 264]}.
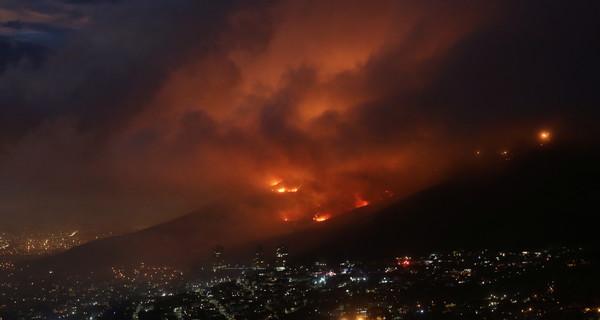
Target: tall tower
{"type": "Point", "coordinates": [281, 256]}
{"type": "Point", "coordinates": [259, 258]}
{"type": "Point", "coordinates": [218, 259]}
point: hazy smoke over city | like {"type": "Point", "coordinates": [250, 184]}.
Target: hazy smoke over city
{"type": "Point", "coordinates": [134, 112]}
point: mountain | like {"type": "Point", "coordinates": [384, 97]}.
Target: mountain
{"type": "Point", "coordinates": [183, 241]}
{"type": "Point", "coordinates": [549, 197]}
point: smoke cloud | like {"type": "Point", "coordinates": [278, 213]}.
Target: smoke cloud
{"type": "Point", "coordinates": [138, 111]}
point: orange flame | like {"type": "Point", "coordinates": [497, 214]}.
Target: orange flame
{"type": "Point", "coordinates": [320, 217]}
{"type": "Point", "coordinates": [360, 202]}
{"type": "Point", "coordinates": [276, 187]}
{"type": "Point", "coordinates": [544, 137]}
{"type": "Point", "coordinates": [276, 182]}
{"type": "Point", "coordinates": [284, 190]}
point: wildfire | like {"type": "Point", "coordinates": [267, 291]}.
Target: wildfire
{"type": "Point", "coordinates": [360, 202]}
{"type": "Point", "coordinates": [274, 183]}
{"type": "Point", "coordinates": [279, 188]}
{"type": "Point", "coordinates": [544, 137]}
{"type": "Point", "coordinates": [284, 190]}
{"type": "Point", "coordinates": [321, 218]}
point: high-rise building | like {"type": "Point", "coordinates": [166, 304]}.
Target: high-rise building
{"type": "Point", "coordinates": [259, 258]}
{"type": "Point", "coordinates": [218, 258]}
{"type": "Point", "coordinates": [281, 256]}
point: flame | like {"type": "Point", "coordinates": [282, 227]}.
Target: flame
{"type": "Point", "coordinates": [283, 189]}
{"type": "Point", "coordinates": [360, 202]}
{"type": "Point", "coordinates": [275, 182]}
{"type": "Point", "coordinates": [544, 137]}
{"type": "Point", "coordinates": [321, 217]}
{"type": "Point", "coordinates": [278, 188]}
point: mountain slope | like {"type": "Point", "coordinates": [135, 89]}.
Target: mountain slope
{"type": "Point", "coordinates": [547, 198]}
{"type": "Point", "coordinates": [183, 241]}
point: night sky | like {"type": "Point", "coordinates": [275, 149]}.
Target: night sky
{"type": "Point", "coordinates": [121, 114]}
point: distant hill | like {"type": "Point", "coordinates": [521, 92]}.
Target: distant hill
{"type": "Point", "coordinates": [549, 197]}
{"type": "Point", "coordinates": [183, 241]}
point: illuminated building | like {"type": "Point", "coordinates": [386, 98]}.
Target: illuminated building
{"type": "Point", "coordinates": [281, 256]}
{"type": "Point", "coordinates": [259, 259]}
{"type": "Point", "coordinates": [218, 259]}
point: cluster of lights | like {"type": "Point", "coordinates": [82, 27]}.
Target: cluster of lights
{"type": "Point", "coordinates": [145, 272]}
{"type": "Point", "coordinates": [543, 137]}
{"type": "Point", "coordinates": [403, 261]}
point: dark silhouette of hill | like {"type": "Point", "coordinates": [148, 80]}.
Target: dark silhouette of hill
{"type": "Point", "coordinates": [183, 241]}
{"type": "Point", "coordinates": [549, 197]}
{"type": "Point", "coordinates": [545, 198]}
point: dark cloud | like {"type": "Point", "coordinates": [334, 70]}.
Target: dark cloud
{"type": "Point", "coordinates": [20, 54]}
{"type": "Point", "coordinates": [113, 67]}
{"type": "Point", "coordinates": [91, 1]}
{"type": "Point", "coordinates": [15, 24]}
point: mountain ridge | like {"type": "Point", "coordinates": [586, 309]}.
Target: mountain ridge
{"type": "Point", "coordinates": [546, 198]}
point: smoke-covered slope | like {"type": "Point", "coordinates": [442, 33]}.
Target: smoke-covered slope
{"type": "Point", "coordinates": [550, 197]}
{"type": "Point", "coordinates": [547, 198]}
